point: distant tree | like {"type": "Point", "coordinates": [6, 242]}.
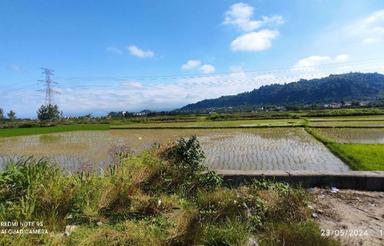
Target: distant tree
{"type": "Point", "coordinates": [1, 114]}
{"type": "Point", "coordinates": [11, 115]}
{"type": "Point", "coordinates": [48, 113]}
{"type": "Point", "coordinates": [355, 103]}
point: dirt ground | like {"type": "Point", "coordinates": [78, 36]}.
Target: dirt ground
{"type": "Point", "coordinates": [353, 217]}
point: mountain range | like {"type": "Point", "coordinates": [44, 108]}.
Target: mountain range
{"type": "Point", "coordinates": [334, 88]}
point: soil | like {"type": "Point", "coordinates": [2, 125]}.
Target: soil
{"type": "Point", "coordinates": [353, 217]}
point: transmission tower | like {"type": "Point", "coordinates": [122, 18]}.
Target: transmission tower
{"type": "Point", "coordinates": [49, 91]}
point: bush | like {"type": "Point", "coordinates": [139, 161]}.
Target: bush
{"type": "Point", "coordinates": [184, 173]}
{"type": "Point", "coordinates": [186, 154]}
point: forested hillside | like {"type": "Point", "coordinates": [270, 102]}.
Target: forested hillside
{"type": "Point", "coordinates": [334, 88]}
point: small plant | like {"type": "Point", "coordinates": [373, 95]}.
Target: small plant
{"type": "Point", "coordinates": [186, 154]}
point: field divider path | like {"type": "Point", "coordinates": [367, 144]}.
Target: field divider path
{"type": "Point", "coordinates": [357, 127]}
{"type": "Point", "coordinates": [201, 127]}
{"type": "Point", "coordinates": [357, 180]}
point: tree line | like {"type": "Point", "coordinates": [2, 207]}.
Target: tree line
{"type": "Point", "coordinates": [46, 113]}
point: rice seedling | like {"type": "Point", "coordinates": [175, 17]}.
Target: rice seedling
{"type": "Point", "coordinates": [356, 135]}
{"type": "Point", "coordinates": [357, 123]}
{"type": "Point", "coordinates": [244, 149]}
{"type": "Point", "coordinates": [358, 156]}
{"type": "Point", "coordinates": [365, 157]}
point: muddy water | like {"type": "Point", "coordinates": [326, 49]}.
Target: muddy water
{"type": "Point", "coordinates": [355, 135]}
{"type": "Point", "coordinates": [243, 149]}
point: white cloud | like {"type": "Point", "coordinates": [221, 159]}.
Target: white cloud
{"type": "Point", "coordinates": [207, 68]}
{"type": "Point", "coordinates": [371, 40]}
{"type": "Point", "coordinates": [166, 93]}
{"type": "Point", "coordinates": [135, 85]}
{"type": "Point", "coordinates": [311, 61]}
{"type": "Point", "coordinates": [198, 65]}
{"type": "Point", "coordinates": [254, 41]}
{"type": "Point", "coordinates": [240, 15]}
{"type": "Point", "coordinates": [314, 63]}
{"type": "Point", "coordinates": [369, 29]}
{"type": "Point", "coordinates": [114, 50]}
{"type": "Point", "coordinates": [341, 58]}
{"type": "Point", "coordinates": [191, 64]}
{"type": "Point", "coordinates": [135, 51]}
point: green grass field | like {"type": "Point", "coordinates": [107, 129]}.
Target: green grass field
{"type": "Point", "coordinates": [364, 157]}
{"type": "Point", "coordinates": [13, 132]}
{"type": "Point", "coordinates": [360, 157]}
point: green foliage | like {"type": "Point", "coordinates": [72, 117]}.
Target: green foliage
{"type": "Point", "coordinates": [185, 172]}
{"type": "Point", "coordinates": [11, 115]}
{"type": "Point", "coordinates": [210, 180]}
{"type": "Point", "coordinates": [187, 155]}
{"type": "Point", "coordinates": [32, 189]}
{"type": "Point", "coordinates": [48, 113]}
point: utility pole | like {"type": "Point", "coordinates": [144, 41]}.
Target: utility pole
{"type": "Point", "coordinates": [49, 91]}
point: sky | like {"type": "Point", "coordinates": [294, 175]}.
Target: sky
{"type": "Point", "coordinates": [161, 55]}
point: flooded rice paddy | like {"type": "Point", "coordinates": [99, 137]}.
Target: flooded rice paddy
{"type": "Point", "coordinates": [355, 135]}
{"type": "Point", "coordinates": [241, 149]}
{"type": "Point", "coordinates": [360, 123]}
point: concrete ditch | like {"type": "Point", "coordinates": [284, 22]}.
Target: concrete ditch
{"type": "Point", "coordinates": [356, 180]}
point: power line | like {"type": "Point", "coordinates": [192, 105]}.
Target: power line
{"type": "Point", "coordinates": [288, 73]}
{"type": "Point", "coordinates": [260, 71]}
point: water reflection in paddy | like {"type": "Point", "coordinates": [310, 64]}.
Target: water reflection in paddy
{"type": "Point", "coordinates": [244, 149]}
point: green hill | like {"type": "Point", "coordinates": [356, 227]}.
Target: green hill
{"type": "Point", "coordinates": [334, 88]}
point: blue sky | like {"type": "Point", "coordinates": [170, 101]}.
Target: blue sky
{"type": "Point", "coordinates": [117, 55]}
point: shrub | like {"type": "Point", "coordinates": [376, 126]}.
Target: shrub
{"type": "Point", "coordinates": [184, 173]}
{"type": "Point", "coordinates": [186, 154]}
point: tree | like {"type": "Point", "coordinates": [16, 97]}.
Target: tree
{"type": "Point", "coordinates": [1, 114]}
{"type": "Point", "coordinates": [48, 113]}
{"type": "Point", "coordinates": [11, 115]}
{"type": "Point", "coordinates": [355, 103]}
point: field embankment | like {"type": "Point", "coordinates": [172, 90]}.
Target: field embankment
{"type": "Point", "coordinates": [14, 132]}
{"type": "Point", "coordinates": [214, 124]}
